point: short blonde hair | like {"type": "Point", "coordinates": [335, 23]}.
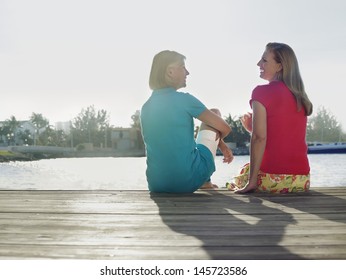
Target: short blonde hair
{"type": "Point", "coordinates": [159, 67]}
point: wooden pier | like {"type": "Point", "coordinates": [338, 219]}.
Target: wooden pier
{"type": "Point", "coordinates": [135, 224]}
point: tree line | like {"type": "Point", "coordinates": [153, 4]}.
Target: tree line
{"type": "Point", "coordinates": [89, 126]}
{"type": "Point", "coordinates": [92, 126]}
{"type": "Point", "coordinates": [321, 127]}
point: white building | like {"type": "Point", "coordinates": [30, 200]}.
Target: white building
{"type": "Point", "coordinates": [64, 126]}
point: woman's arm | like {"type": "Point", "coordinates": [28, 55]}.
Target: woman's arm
{"type": "Point", "coordinates": [211, 119]}
{"type": "Point", "coordinates": [226, 151]}
{"type": "Point", "coordinates": [215, 122]}
{"type": "Point", "coordinates": [258, 144]}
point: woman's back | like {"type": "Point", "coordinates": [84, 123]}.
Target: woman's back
{"type": "Point", "coordinates": [286, 149]}
{"type": "Point", "coordinates": [173, 161]}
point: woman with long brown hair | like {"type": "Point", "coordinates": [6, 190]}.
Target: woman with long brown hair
{"type": "Point", "coordinates": [278, 149]}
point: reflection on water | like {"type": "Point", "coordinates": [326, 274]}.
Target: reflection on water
{"type": "Point", "coordinates": [129, 173]}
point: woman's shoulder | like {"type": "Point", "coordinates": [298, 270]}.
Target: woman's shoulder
{"type": "Point", "coordinates": [272, 85]}
{"type": "Point", "coordinates": [261, 90]}
{"type": "Point", "coordinates": [186, 96]}
{"type": "Point", "coordinates": [269, 89]}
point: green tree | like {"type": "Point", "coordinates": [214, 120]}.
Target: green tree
{"type": "Point", "coordinates": [25, 137]}
{"type": "Point", "coordinates": [3, 133]}
{"type": "Point", "coordinates": [41, 125]}
{"type": "Point", "coordinates": [323, 127]}
{"type": "Point", "coordinates": [9, 130]}
{"type": "Point", "coordinates": [238, 135]}
{"type": "Point", "coordinates": [52, 137]}
{"type": "Point", "coordinates": [136, 121]}
{"type": "Point", "coordinates": [91, 126]}
{"type": "Point", "coordinates": [39, 120]}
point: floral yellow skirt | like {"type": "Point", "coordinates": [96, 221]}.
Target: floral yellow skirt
{"type": "Point", "coordinates": [272, 183]}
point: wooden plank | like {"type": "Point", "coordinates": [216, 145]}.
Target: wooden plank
{"type": "Point", "coordinates": [204, 225]}
{"type": "Point", "coordinates": [178, 219]}
{"type": "Point", "coordinates": [181, 253]}
{"type": "Point", "coordinates": [169, 241]}
{"type": "Point", "coordinates": [120, 221]}
{"type": "Point", "coordinates": [212, 204]}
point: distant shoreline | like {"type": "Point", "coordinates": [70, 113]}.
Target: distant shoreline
{"type": "Point", "coordinates": [10, 155]}
{"type": "Point", "coordinates": [7, 156]}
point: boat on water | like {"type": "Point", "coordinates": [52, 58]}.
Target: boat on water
{"type": "Point", "coordinates": [327, 148]}
{"type": "Point", "coordinates": [313, 148]}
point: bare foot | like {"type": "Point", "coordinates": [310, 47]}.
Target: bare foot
{"type": "Point", "coordinates": [208, 186]}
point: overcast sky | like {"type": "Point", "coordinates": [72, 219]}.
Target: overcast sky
{"type": "Point", "coordinates": [60, 56]}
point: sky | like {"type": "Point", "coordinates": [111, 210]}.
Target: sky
{"type": "Point", "coordinates": [58, 57]}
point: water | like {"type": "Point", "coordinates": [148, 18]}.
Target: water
{"type": "Point", "coordinates": [129, 173]}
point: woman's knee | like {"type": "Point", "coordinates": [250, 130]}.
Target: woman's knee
{"type": "Point", "coordinates": [207, 127]}
{"type": "Point", "coordinates": [216, 111]}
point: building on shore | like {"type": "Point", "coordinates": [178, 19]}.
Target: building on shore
{"type": "Point", "coordinates": [126, 139]}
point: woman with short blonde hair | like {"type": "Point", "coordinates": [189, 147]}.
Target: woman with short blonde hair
{"type": "Point", "coordinates": [158, 75]}
{"type": "Point", "coordinates": [176, 161]}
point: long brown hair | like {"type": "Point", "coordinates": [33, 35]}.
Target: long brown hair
{"type": "Point", "coordinates": [290, 74]}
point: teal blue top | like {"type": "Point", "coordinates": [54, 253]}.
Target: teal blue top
{"type": "Point", "coordinates": [174, 162]}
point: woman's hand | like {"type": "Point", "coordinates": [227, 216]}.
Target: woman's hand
{"type": "Point", "coordinates": [247, 189]}
{"type": "Point", "coordinates": [246, 121]}
{"type": "Point", "coordinates": [226, 151]}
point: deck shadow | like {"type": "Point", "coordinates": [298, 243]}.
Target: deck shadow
{"type": "Point", "coordinates": [228, 226]}
{"type": "Point", "coordinates": [326, 206]}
